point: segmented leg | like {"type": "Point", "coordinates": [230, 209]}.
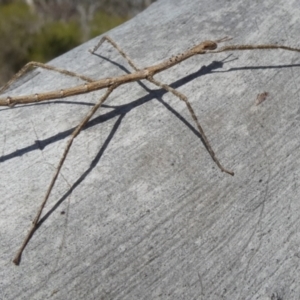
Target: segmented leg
{"type": "Point", "coordinates": [174, 92]}
{"type": "Point", "coordinates": [108, 39]}
{"type": "Point", "coordinates": [192, 112]}
{"type": "Point", "coordinates": [68, 146]}
{"type": "Point", "coordinates": [34, 64]}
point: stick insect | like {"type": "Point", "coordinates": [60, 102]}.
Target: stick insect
{"type": "Point", "coordinates": [112, 83]}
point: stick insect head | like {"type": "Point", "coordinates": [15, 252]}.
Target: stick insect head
{"type": "Point", "coordinates": [209, 45]}
{"type": "Point", "coordinates": [204, 46]}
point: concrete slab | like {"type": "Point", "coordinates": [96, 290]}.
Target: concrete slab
{"type": "Point", "coordinates": [140, 210]}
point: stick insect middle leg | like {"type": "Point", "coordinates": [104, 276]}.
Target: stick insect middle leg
{"type": "Point", "coordinates": [77, 131]}
{"type": "Point", "coordinates": [175, 93]}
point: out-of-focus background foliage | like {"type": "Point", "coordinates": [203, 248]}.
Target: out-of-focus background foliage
{"type": "Point", "coordinates": [39, 30]}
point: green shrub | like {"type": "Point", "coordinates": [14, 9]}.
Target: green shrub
{"type": "Point", "coordinates": [54, 39]}
{"type": "Point", "coordinates": [17, 28]}
{"type": "Point", "coordinates": [103, 22]}
{"type": "Point", "coordinates": [27, 36]}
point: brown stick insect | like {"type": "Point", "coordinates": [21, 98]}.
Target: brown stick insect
{"type": "Point", "coordinates": [112, 83]}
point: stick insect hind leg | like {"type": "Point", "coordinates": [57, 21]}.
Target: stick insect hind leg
{"type": "Point", "coordinates": [175, 93]}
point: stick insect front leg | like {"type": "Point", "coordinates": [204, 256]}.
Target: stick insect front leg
{"type": "Point", "coordinates": [34, 64]}
{"type": "Point", "coordinates": [174, 92]}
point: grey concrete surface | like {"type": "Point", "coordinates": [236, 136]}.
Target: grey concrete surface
{"type": "Point", "coordinates": [140, 210]}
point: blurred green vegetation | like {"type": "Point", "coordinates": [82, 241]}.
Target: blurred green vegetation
{"type": "Point", "coordinates": [17, 26]}
{"type": "Point", "coordinates": [103, 22]}
{"type": "Point", "coordinates": [26, 35]}
{"type": "Point", "coordinates": [54, 39]}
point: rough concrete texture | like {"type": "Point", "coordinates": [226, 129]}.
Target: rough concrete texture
{"type": "Point", "coordinates": [140, 210]}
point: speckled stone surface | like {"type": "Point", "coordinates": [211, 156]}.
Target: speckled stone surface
{"type": "Point", "coordinates": [140, 210]}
